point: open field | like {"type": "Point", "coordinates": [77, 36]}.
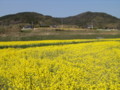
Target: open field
{"type": "Point", "coordinates": [82, 64]}
{"type": "Point", "coordinates": [48, 34]}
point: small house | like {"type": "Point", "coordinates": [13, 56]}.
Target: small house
{"type": "Point", "coordinates": [27, 28]}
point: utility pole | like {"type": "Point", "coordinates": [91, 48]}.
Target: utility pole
{"type": "Point", "coordinates": [62, 23]}
{"type": "Point", "coordinates": [92, 26]}
{"type": "Point", "coordinates": [32, 25]}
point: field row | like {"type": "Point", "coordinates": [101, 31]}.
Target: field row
{"type": "Point", "coordinates": [25, 44]}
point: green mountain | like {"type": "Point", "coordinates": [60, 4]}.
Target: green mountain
{"type": "Point", "coordinates": [84, 20]}
{"type": "Point", "coordinates": [96, 19]}
{"type": "Point", "coordinates": [27, 17]}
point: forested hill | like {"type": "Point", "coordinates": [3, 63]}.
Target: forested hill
{"type": "Point", "coordinates": [27, 17]}
{"type": "Point", "coordinates": [97, 19]}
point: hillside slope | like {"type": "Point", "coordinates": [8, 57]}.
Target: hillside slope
{"type": "Point", "coordinates": [85, 20]}
{"type": "Point", "coordinates": [27, 17]}
{"type": "Point", "coordinates": [97, 19]}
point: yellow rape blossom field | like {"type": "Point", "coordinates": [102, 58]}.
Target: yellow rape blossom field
{"type": "Point", "coordinates": [81, 66]}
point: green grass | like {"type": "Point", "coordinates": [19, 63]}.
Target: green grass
{"type": "Point", "coordinates": [56, 37]}
{"type": "Point", "coordinates": [60, 35]}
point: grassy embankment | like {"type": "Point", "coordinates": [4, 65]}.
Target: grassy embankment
{"type": "Point", "coordinates": [59, 34]}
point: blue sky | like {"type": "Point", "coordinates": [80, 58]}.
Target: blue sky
{"type": "Point", "coordinates": [60, 8]}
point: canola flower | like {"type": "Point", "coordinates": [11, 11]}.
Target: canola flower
{"type": "Point", "coordinates": [86, 66]}
{"type": "Point", "coordinates": [13, 43]}
{"type": "Point", "coordinates": [19, 43]}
